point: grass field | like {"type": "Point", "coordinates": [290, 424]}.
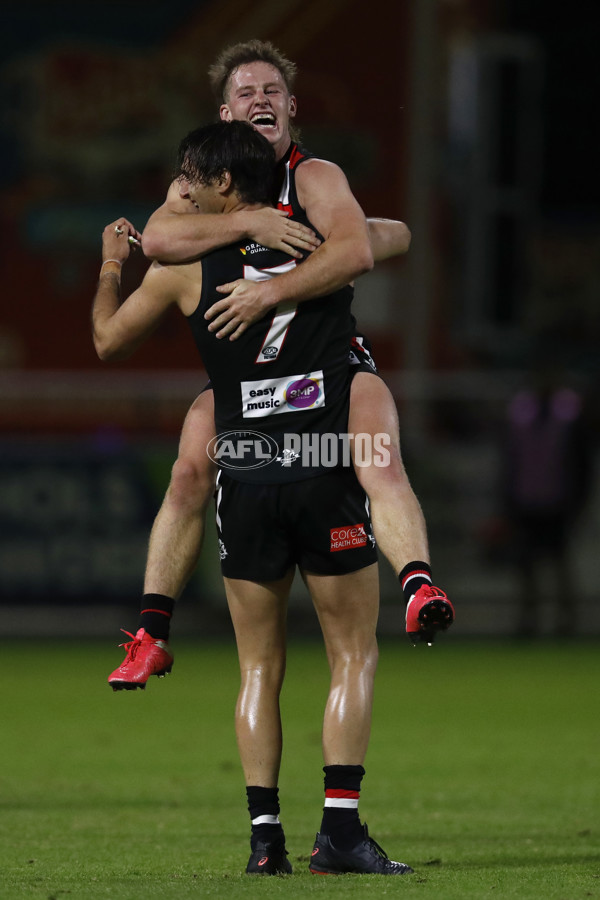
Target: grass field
{"type": "Point", "coordinates": [483, 774]}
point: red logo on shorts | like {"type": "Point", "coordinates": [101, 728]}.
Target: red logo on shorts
{"type": "Point", "coordinates": [348, 537]}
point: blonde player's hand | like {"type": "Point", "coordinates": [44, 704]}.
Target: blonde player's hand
{"type": "Point", "coordinates": [273, 228]}
{"type": "Point", "coordinates": [231, 316]}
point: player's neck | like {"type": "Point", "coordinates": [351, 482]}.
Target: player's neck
{"type": "Point", "coordinates": [239, 205]}
{"type": "Point", "coordinates": [280, 151]}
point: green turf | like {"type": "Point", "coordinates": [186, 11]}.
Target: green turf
{"type": "Point", "coordinates": [483, 773]}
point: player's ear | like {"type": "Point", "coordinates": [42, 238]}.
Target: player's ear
{"type": "Point", "coordinates": [224, 182]}
{"type": "Point", "coordinates": [293, 106]}
{"type": "Point", "coordinates": [225, 113]}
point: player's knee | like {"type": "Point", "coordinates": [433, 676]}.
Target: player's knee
{"type": "Point", "coordinates": [191, 484]}
{"type": "Point", "coordinates": [263, 676]}
{"type": "Point", "coordinates": [360, 660]}
{"type": "Point", "coordinates": [369, 659]}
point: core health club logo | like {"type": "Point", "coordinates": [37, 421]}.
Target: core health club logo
{"type": "Point", "coordinates": [242, 449]}
{"type": "Point", "coordinates": [348, 537]}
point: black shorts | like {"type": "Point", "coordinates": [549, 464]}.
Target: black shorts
{"type": "Point", "coordinates": [320, 524]}
{"type": "Point", "coordinates": [361, 357]}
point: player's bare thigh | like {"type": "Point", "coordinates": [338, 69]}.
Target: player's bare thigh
{"type": "Point", "coordinates": [198, 428]}
{"type": "Point", "coordinates": [258, 612]}
{"type": "Point", "coordinates": [373, 409]}
{"type": "Point", "coordinates": [373, 412]}
{"type": "Point", "coordinates": [347, 607]}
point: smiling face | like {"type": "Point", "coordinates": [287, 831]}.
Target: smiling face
{"type": "Point", "coordinates": [257, 93]}
{"type": "Point", "coordinates": [208, 197]}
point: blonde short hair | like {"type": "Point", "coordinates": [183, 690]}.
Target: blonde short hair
{"type": "Point", "coordinates": [231, 58]}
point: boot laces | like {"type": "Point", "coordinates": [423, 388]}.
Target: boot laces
{"type": "Point", "coordinates": [430, 591]}
{"type": "Point", "coordinates": [380, 851]}
{"type": "Point", "coordinates": [131, 647]}
{"type": "Point", "coordinates": [374, 845]}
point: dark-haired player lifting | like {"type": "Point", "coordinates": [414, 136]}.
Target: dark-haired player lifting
{"type": "Point", "coordinates": [280, 515]}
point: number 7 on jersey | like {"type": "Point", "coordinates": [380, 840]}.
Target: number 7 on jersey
{"type": "Point", "coordinates": [280, 323]}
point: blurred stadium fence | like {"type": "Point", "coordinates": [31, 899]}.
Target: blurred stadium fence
{"type": "Point", "coordinates": [86, 459]}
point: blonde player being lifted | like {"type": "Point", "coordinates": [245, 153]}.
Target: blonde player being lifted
{"type": "Point", "coordinates": [253, 82]}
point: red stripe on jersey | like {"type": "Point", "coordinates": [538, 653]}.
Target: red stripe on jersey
{"type": "Point", "coordinates": [295, 157]}
{"type": "Point", "coordinates": [339, 793]}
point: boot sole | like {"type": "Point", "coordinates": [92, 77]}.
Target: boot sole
{"type": "Point", "coordinates": [134, 685]}
{"type": "Point", "coordinates": [435, 616]}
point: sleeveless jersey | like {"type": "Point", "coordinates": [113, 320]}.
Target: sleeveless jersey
{"type": "Point", "coordinates": [288, 196]}
{"type": "Point", "coordinates": [284, 383]}
{"type": "Point", "coordinates": [360, 349]}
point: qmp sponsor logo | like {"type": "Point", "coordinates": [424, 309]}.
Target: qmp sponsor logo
{"type": "Point", "coordinates": [302, 393]}
{"type": "Point", "coordinates": [242, 450]}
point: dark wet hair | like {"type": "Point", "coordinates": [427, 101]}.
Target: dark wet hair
{"type": "Point", "coordinates": [206, 153]}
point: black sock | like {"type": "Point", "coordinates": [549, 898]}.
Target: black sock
{"type": "Point", "coordinates": [340, 813]}
{"type": "Point", "coordinates": [413, 576]}
{"type": "Point", "coordinates": [155, 615]}
{"type": "Point", "coordinates": [263, 806]}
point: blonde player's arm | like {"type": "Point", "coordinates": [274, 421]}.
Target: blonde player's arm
{"type": "Point", "coordinates": [388, 238]}
{"type": "Point", "coordinates": [345, 253]}
{"type": "Point", "coordinates": [178, 231]}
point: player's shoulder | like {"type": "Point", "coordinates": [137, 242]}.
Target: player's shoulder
{"type": "Point", "coordinates": [158, 269]}
{"type": "Point", "coordinates": [317, 162]}
{"type": "Point", "coordinates": [315, 167]}
{"type": "Point", "coordinates": [173, 277]}
{"type": "Point", "coordinates": [301, 160]}
{"type": "Point", "coordinates": [319, 178]}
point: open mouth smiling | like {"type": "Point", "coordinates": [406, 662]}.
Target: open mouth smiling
{"type": "Point", "coordinates": [263, 120]}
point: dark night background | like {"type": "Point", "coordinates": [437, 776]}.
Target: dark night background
{"type": "Point", "coordinates": [469, 119]}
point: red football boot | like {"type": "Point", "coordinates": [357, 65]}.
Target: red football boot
{"type": "Point", "coordinates": [146, 656]}
{"type": "Point", "coordinates": [427, 612]}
